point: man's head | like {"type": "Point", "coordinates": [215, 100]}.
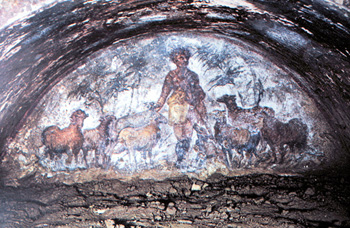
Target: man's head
{"type": "Point", "coordinates": [180, 57]}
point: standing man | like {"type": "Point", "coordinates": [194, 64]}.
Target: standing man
{"type": "Point", "coordinates": [186, 105]}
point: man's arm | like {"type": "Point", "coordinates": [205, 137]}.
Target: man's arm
{"type": "Point", "coordinates": [165, 93]}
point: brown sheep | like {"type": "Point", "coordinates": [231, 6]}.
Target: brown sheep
{"type": "Point", "coordinates": [277, 134]}
{"type": "Point", "coordinates": [141, 139]}
{"type": "Point", "coordinates": [250, 119]}
{"type": "Point", "coordinates": [68, 140]}
{"type": "Point", "coordinates": [231, 138]}
{"type": "Point", "coordinates": [234, 135]}
{"type": "Point", "coordinates": [97, 139]}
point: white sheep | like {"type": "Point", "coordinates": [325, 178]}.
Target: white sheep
{"type": "Point", "coordinates": [141, 139]}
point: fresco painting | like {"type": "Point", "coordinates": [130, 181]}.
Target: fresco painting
{"type": "Point", "coordinates": [184, 102]}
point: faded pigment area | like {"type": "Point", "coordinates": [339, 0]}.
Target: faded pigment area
{"type": "Point", "coordinates": [256, 119]}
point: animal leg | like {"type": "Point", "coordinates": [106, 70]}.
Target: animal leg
{"type": "Point", "coordinates": [283, 154]}
{"type": "Point", "coordinates": [103, 156]}
{"type": "Point", "coordinates": [49, 153]}
{"type": "Point", "coordinates": [76, 155]}
{"type": "Point", "coordinates": [257, 156]}
{"type": "Point", "coordinates": [76, 158]}
{"type": "Point", "coordinates": [274, 154]}
{"type": "Point", "coordinates": [85, 153]}
{"type": "Point", "coordinates": [226, 149]}
{"type": "Point", "coordinates": [135, 160]}
{"type": "Point", "coordinates": [240, 151]}
{"type": "Point", "coordinates": [97, 158]}
{"type": "Point", "coordinates": [132, 160]}
{"type": "Point", "coordinates": [145, 157]}
{"type": "Point", "coordinates": [148, 159]}
{"type": "Point", "coordinates": [250, 153]}
{"type": "Point", "coordinates": [228, 157]}
{"type": "Point", "coordinates": [69, 159]}
{"type": "Point", "coordinates": [105, 160]}
{"type": "Point", "coordinates": [108, 154]}
{"type": "Point", "coordinates": [248, 156]}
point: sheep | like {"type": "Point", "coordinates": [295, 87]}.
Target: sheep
{"type": "Point", "coordinates": [97, 139]}
{"type": "Point", "coordinates": [231, 138]}
{"type": "Point", "coordinates": [141, 138]}
{"type": "Point", "coordinates": [250, 119]}
{"type": "Point", "coordinates": [234, 135]}
{"type": "Point", "coordinates": [68, 140]}
{"type": "Point", "coordinates": [135, 120]}
{"type": "Point", "coordinates": [277, 134]}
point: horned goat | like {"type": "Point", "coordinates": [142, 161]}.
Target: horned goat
{"type": "Point", "coordinates": [250, 119]}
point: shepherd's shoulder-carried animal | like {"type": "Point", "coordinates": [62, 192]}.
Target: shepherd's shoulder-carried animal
{"type": "Point", "coordinates": [97, 139]}
{"type": "Point", "coordinates": [68, 140]}
{"type": "Point", "coordinates": [278, 134]}
{"type": "Point", "coordinates": [250, 118]}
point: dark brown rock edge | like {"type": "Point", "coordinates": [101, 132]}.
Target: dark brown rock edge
{"type": "Point", "coordinates": [40, 50]}
{"type": "Point", "coordinates": [46, 49]}
{"type": "Point", "coordinates": [244, 201]}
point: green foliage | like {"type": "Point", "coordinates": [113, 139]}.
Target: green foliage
{"type": "Point", "coordinates": [100, 85]}
{"type": "Point", "coordinates": [82, 90]}
{"type": "Point", "coordinates": [135, 68]}
{"type": "Point", "coordinates": [117, 85]}
{"type": "Point", "coordinates": [213, 59]}
{"type": "Point", "coordinates": [227, 78]}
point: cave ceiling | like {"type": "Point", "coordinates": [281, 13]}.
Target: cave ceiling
{"type": "Point", "coordinates": [284, 66]}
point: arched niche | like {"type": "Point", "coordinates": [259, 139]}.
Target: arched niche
{"type": "Point", "coordinates": [290, 57]}
{"type": "Point", "coordinates": [238, 42]}
{"type": "Point", "coordinates": [273, 127]}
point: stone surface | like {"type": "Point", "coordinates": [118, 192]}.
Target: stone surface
{"type": "Point", "coordinates": [309, 39]}
{"type": "Point", "coordinates": [292, 49]}
{"type": "Point", "coordinates": [117, 87]}
{"type": "Point", "coordinates": [108, 203]}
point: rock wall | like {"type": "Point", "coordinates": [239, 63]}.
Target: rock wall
{"type": "Point", "coordinates": [125, 81]}
{"type": "Point", "coordinates": [110, 59]}
{"type": "Point", "coordinates": [244, 201]}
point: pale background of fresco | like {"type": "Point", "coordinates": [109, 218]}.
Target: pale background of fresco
{"type": "Point", "coordinates": [15, 10]}
{"type": "Point", "coordinates": [281, 93]}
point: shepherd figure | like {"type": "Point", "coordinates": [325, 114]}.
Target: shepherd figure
{"type": "Point", "coordinates": [185, 98]}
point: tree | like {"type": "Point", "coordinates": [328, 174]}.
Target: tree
{"type": "Point", "coordinates": [99, 86]}
{"type": "Point", "coordinates": [212, 59]}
